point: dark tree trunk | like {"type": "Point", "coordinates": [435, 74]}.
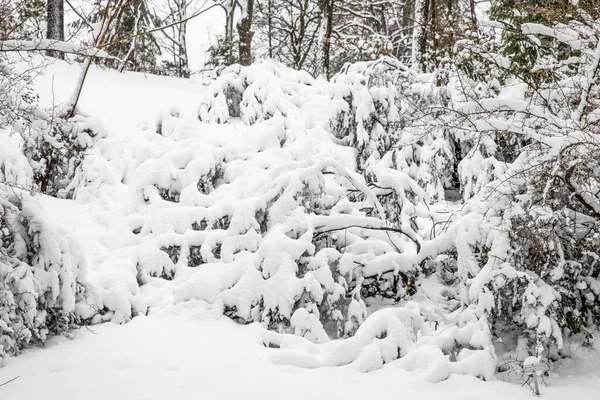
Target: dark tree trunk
{"type": "Point", "coordinates": [423, 38]}
{"type": "Point", "coordinates": [472, 10]}
{"type": "Point", "coordinates": [433, 26]}
{"type": "Point", "coordinates": [270, 27]}
{"type": "Point", "coordinates": [245, 34]}
{"type": "Point", "coordinates": [55, 25]}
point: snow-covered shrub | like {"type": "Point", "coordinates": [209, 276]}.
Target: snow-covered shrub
{"type": "Point", "coordinates": [42, 275]}
{"type": "Point", "coordinates": [530, 174]}
{"type": "Point", "coordinates": [372, 117]}
{"type": "Point", "coordinates": [381, 119]}
{"type": "Point", "coordinates": [43, 287]}
{"type": "Point", "coordinates": [54, 146]}
{"type": "Point", "coordinates": [254, 93]}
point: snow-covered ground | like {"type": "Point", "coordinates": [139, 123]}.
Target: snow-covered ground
{"type": "Point", "coordinates": [191, 353]}
{"type": "Point", "coordinates": [187, 350]}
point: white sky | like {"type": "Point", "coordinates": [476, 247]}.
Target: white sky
{"type": "Point", "coordinates": [202, 31]}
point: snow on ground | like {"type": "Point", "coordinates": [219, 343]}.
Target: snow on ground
{"type": "Point", "coordinates": [191, 353]}
{"type": "Point", "coordinates": [118, 98]}
{"type": "Point", "coordinates": [187, 350]}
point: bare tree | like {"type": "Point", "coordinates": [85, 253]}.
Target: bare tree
{"type": "Point", "coordinates": [111, 13]}
{"type": "Point", "coordinates": [293, 29]}
{"type": "Point", "coordinates": [175, 43]}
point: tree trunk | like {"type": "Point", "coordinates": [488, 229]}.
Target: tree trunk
{"type": "Point", "coordinates": [229, 14]}
{"type": "Point", "coordinates": [424, 32]}
{"type": "Point", "coordinates": [433, 26]}
{"type": "Point", "coordinates": [183, 67]}
{"type": "Point", "coordinates": [245, 33]}
{"type": "Point", "coordinates": [472, 10]}
{"type": "Point", "coordinates": [270, 27]}
{"type": "Point", "coordinates": [326, 7]}
{"type": "Point", "coordinates": [55, 25]}
{"type": "Point", "coordinates": [418, 35]}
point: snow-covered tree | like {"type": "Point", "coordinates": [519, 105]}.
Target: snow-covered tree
{"type": "Point", "coordinates": [527, 147]}
{"type": "Point", "coordinates": [43, 286]}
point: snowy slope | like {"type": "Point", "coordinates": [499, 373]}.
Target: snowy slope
{"type": "Point", "coordinates": [186, 350]}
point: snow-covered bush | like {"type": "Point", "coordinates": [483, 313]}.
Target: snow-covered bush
{"type": "Point", "coordinates": [42, 275]}
{"type": "Point", "coordinates": [459, 199]}
{"type": "Point", "coordinates": [54, 146]}
{"type": "Point", "coordinates": [254, 93]}
{"type": "Point", "coordinates": [528, 170]}
{"type": "Point", "coordinates": [43, 287]}
{"type": "Point", "coordinates": [382, 119]}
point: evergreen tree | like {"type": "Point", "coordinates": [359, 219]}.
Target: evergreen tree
{"type": "Point", "coordinates": [22, 19]}
{"type": "Point", "coordinates": [125, 38]}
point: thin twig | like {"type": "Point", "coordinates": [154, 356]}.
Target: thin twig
{"type": "Point", "coordinates": [9, 381]}
{"type": "Point", "coordinates": [79, 14]}
{"type": "Point", "coordinates": [89, 329]}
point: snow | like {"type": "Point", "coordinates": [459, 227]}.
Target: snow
{"type": "Point", "coordinates": [539, 29]}
{"type": "Point", "coordinates": [169, 220]}
{"type": "Point", "coordinates": [188, 351]}
{"type": "Point", "coordinates": [48, 44]}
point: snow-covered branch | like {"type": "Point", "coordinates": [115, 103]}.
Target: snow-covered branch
{"type": "Point", "coordinates": [48, 44]}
